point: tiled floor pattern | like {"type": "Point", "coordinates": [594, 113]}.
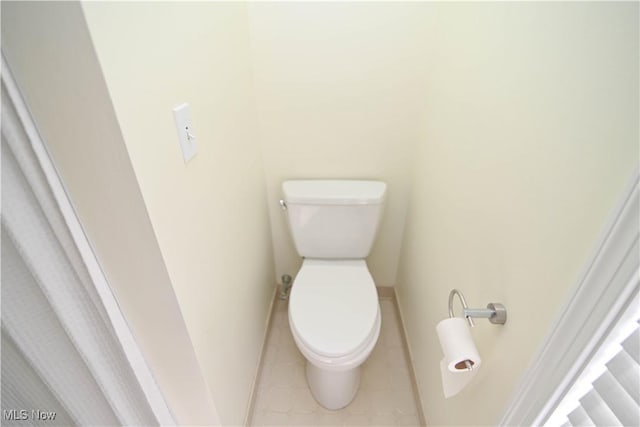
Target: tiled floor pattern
{"type": "Point", "coordinates": [385, 397]}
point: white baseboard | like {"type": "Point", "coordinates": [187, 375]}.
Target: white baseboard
{"type": "Point", "coordinates": [263, 349]}
{"type": "Point", "coordinates": [412, 373]}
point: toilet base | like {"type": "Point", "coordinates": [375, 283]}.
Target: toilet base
{"type": "Point", "coordinates": [333, 389]}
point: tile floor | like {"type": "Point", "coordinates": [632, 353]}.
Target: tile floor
{"type": "Point", "coordinates": [385, 397]}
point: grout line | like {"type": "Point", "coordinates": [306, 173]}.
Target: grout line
{"type": "Point", "coordinates": [248, 419]}
{"type": "Point", "coordinates": [407, 351]}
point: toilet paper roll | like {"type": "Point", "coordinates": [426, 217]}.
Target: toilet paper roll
{"type": "Point", "coordinates": [454, 382]}
{"type": "Point", "coordinates": [458, 348]}
{"type": "Point", "coordinates": [457, 344]}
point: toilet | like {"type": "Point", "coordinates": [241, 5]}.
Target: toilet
{"type": "Point", "coordinates": [334, 312]}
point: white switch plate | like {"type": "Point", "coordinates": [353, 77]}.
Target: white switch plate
{"type": "Point", "coordinates": [186, 134]}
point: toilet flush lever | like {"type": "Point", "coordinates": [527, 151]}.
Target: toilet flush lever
{"type": "Point", "coordinates": [283, 205]}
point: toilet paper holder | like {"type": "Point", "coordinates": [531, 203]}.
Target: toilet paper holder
{"type": "Point", "coordinates": [495, 312]}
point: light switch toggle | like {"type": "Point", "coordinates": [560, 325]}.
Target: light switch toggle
{"type": "Point", "coordinates": [186, 134]}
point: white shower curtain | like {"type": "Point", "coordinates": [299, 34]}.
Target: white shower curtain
{"type": "Point", "coordinates": [68, 356]}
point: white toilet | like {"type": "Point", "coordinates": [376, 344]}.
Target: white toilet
{"type": "Point", "coordinates": [333, 307]}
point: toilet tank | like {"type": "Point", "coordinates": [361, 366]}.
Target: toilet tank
{"type": "Point", "coordinates": [334, 219]}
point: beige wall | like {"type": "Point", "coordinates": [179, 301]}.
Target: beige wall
{"type": "Point", "coordinates": [531, 132]}
{"type": "Point", "coordinates": [49, 50]}
{"type": "Point", "coordinates": [339, 95]}
{"type": "Point", "coordinates": [209, 215]}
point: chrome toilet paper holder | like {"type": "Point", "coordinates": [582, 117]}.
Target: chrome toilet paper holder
{"type": "Point", "coordinates": [495, 312]}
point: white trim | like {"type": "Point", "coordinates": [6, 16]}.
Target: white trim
{"type": "Point", "coordinates": [131, 350]}
{"type": "Point", "coordinates": [405, 345]}
{"type": "Point", "coordinates": [253, 395]}
{"type": "Point", "coordinates": [610, 280]}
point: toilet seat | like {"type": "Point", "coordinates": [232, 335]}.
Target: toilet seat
{"type": "Point", "coordinates": [334, 312]}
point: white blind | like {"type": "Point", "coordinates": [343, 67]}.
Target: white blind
{"type": "Point", "coordinates": [607, 391]}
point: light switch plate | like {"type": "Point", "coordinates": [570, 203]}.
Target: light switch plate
{"type": "Point", "coordinates": [186, 134]}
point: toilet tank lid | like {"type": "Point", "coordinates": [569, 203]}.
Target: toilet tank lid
{"type": "Point", "coordinates": [334, 192]}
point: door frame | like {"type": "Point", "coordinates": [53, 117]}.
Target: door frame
{"type": "Point", "coordinates": [607, 284]}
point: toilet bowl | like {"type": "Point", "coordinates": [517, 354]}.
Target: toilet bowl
{"type": "Point", "coordinates": [335, 320]}
{"type": "Point", "coordinates": [333, 307]}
